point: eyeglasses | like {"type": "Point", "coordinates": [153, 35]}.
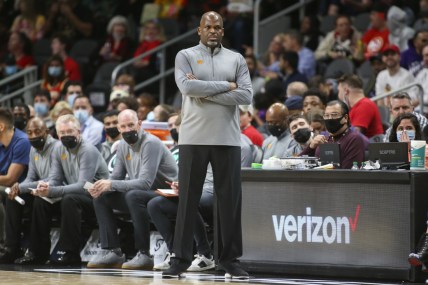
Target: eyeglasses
{"type": "Point", "coordinates": [332, 116]}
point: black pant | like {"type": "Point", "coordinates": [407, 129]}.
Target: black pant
{"type": "Point", "coordinates": [226, 165]}
{"type": "Point", "coordinates": [14, 214]}
{"type": "Point", "coordinates": [163, 211]}
{"type": "Point", "coordinates": [133, 202]}
{"type": "Point", "coordinates": [73, 208]}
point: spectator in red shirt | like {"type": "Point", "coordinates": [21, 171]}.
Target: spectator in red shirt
{"type": "Point", "coordinates": [151, 36]}
{"type": "Point", "coordinates": [376, 37]}
{"type": "Point", "coordinates": [59, 46]}
{"type": "Point", "coordinates": [118, 44]}
{"type": "Point", "coordinates": [247, 129]}
{"type": "Point", "coordinates": [19, 47]}
{"type": "Point", "coordinates": [364, 114]}
{"type": "Point", "coordinates": [54, 78]}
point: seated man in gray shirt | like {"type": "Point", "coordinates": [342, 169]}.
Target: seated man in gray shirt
{"type": "Point", "coordinates": [42, 146]}
{"type": "Point", "coordinates": [74, 162]}
{"type": "Point", "coordinates": [148, 164]}
{"type": "Point", "coordinates": [280, 140]}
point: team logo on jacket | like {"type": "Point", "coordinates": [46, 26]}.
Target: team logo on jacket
{"type": "Point", "coordinates": [128, 157]}
{"type": "Point", "coordinates": [199, 61]}
{"type": "Point", "coordinates": [63, 156]}
{"type": "Point", "coordinates": [36, 158]}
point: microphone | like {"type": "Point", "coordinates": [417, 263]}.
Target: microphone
{"type": "Point", "coordinates": [17, 198]}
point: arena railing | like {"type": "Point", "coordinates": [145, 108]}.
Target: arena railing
{"type": "Point", "coordinates": [162, 65]}
{"type": "Point", "coordinates": [417, 86]}
{"type": "Point", "coordinates": [28, 77]}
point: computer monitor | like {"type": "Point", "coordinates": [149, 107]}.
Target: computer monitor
{"type": "Point", "coordinates": [390, 155]}
{"type": "Point", "coordinates": [330, 153]}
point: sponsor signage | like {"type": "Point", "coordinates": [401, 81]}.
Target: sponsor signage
{"type": "Point", "coordinates": [343, 224]}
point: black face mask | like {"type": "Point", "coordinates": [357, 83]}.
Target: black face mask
{"type": "Point", "coordinates": [302, 135]}
{"type": "Point", "coordinates": [276, 130]}
{"type": "Point", "coordinates": [69, 141]}
{"type": "Point", "coordinates": [38, 143]}
{"type": "Point", "coordinates": [333, 125]}
{"type": "Point", "coordinates": [112, 132]}
{"type": "Point", "coordinates": [174, 134]}
{"type": "Point", "coordinates": [130, 137]}
{"type": "Point", "coordinates": [20, 123]}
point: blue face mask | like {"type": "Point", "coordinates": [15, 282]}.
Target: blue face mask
{"type": "Point", "coordinates": [71, 98]}
{"type": "Point", "coordinates": [150, 116]}
{"type": "Point", "coordinates": [410, 133]}
{"type": "Point", "coordinates": [10, 69]}
{"type": "Point", "coordinates": [54, 71]}
{"type": "Point", "coordinates": [41, 109]}
{"type": "Point", "coordinates": [81, 115]}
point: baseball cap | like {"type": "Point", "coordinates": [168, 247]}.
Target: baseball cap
{"type": "Point", "coordinates": [117, 94]}
{"type": "Point", "coordinates": [294, 103]}
{"type": "Point", "coordinates": [390, 47]}
{"type": "Point", "coordinates": [247, 108]}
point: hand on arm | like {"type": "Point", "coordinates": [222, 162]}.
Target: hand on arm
{"type": "Point", "coordinates": [100, 187]}
{"type": "Point", "coordinates": [14, 191]}
{"type": "Point", "coordinates": [316, 141]}
{"type": "Point", "coordinates": [42, 189]}
{"type": "Point", "coordinates": [174, 186]}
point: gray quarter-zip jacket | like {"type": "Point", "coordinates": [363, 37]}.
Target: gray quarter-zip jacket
{"type": "Point", "coordinates": [148, 164]}
{"type": "Point", "coordinates": [39, 166]}
{"type": "Point", "coordinates": [210, 113]}
{"type": "Point", "coordinates": [72, 168]}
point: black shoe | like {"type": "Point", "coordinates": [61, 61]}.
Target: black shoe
{"type": "Point", "coordinates": [234, 270]}
{"type": "Point", "coordinates": [178, 267]}
{"type": "Point", "coordinates": [8, 256]}
{"type": "Point", "coordinates": [30, 258]}
{"type": "Point", "coordinates": [421, 254]}
{"type": "Point", "coordinates": [68, 258]}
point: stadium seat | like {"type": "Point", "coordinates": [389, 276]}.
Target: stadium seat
{"type": "Point", "coordinates": [99, 95]}
{"type": "Point", "coordinates": [362, 22]}
{"type": "Point", "coordinates": [83, 50]}
{"type": "Point", "coordinates": [42, 51]}
{"type": "Point", "coordinates": [103, 74]}
{"type": "Point", "coordinates": [339, 67]}
{"type": "Point", "coordinates": [328, 23]}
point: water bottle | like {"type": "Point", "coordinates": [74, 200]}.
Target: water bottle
{"type": "Point", "coordinates": [355, 166]}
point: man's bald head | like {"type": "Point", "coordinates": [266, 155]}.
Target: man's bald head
{"type": "Point", "coordinates": [37, 122]}
{"type": "Point", "coordinates": [296, 88]}
{"type": "Point", "coordinates": [128, 113]}
{"type": "Point", "coordinates": [277, 119]}
{"type": "Point", "coordinates": [211, 15]}
{"type": "Point", "coordinates": [36, 129]}
{"type": "Point", "coordinates": [278, 110]}
{"type": "Point", "coordinates": [211, 30]}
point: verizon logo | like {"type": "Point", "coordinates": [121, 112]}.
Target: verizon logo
{"type": "Point", "coordinates": [316, 229]}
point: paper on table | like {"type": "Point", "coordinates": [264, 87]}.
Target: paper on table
{"type": "Point", "coordinates": [50, 200]}
{"type": "Point", "coordinates": [167, 192]}
{"type": "Point", "coordinates": [88, 185]}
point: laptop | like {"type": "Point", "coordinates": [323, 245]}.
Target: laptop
{"type": "Point", "coordinates": [391, 154]}
{"type": "Point", "coordinates": [330, 153]}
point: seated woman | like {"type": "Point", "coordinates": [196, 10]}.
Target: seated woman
{"type": "Point", "coordinates": [118, 46]}
{"type": "Point", "coordinates": [405, 128]}
{"type": "Point", "coordinates": [151, 37]}
{"type": "Point", "coordinates": [19, 52]}
{"type": "Point", "coordinates": [54, 77]}
{"type": "Point", "coordinates": [342, 42]}
{"type": "Point", "coordinates": [29, 22]}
